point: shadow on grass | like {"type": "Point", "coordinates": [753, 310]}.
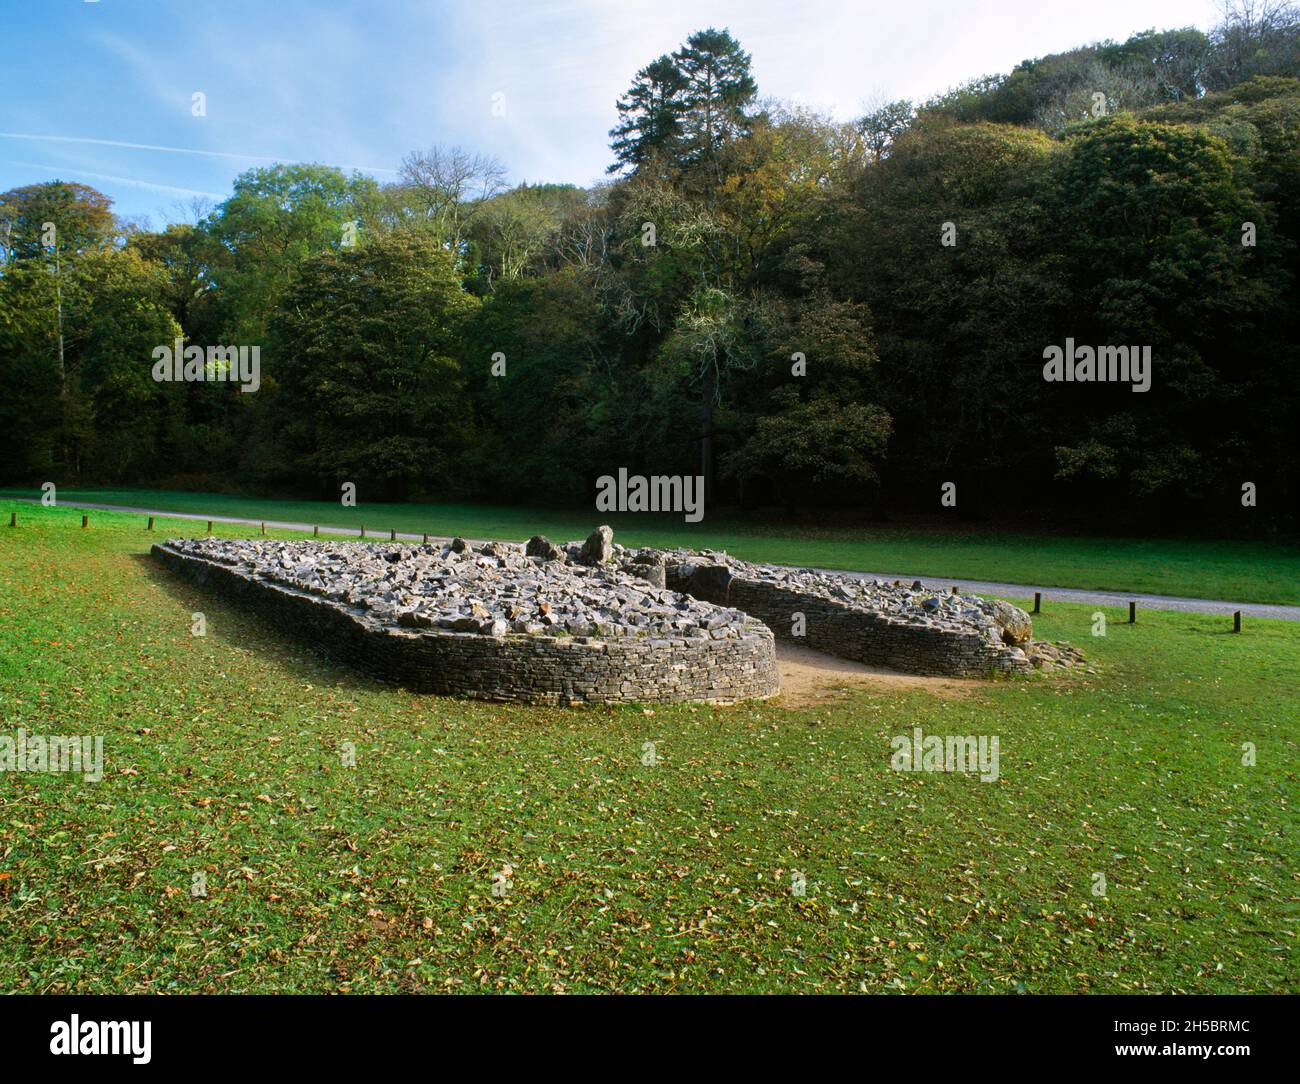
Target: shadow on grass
{"type": "Point", "coordinates": [244, 627]}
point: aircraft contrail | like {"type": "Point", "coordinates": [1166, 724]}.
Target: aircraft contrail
{"type": "Point", "coordinates": [180, 150]}
{"type": "Point", "coordinates": [176, 189]}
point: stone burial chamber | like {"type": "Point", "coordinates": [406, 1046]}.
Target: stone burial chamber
{"type": "Point", "coordinates": [596, 622]}
{"type": "Point", "coordinates": [528, 623]}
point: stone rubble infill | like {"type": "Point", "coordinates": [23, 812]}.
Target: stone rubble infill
{"type": "Point", "coordinates": [490, 621]}
{"type": "Point", "coordinates": [494, 589]}
{"type": "Point", "coordinates": [909, 627]}
{"type": "Point", "coordinates": [913, 604]}
{"type": "Point", "coordinates": [597, 592]}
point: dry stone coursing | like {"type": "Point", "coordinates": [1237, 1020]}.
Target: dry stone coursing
{"type": "Point", "coordinates": [493, 621]}
{"type": "Point", "coordinates": [597, 621]}
{"type": "Point", "coordinates": [913, 629]}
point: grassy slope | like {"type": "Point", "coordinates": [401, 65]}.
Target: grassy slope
{"type": "Point", "coordinates": [222, 757]}
{"type": "Point", "coordinates": [1236, 571]}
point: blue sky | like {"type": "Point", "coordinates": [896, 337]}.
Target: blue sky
{"type": "Point", "coordinates": [101, 92]}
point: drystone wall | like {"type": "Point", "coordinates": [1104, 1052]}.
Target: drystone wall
{"type": "Point", "coordinates": [906, 628]}
{"type": "Point", "coordinates": [483, 657]}
{"type": "Point", "coordinates": [597, 622]}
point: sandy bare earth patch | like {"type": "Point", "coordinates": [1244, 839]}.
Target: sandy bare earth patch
{"type": "Point", "coordinates": [811, 677]}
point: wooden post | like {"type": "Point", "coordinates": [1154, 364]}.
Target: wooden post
{"type": "Point", "coordinates": [85, 522]}
{"type": "Point", "coordinates": [363, 532]}
{"type": "Point", "coordinates": [426, 538]}
{"type": "Point", "coordinates": [954, 588]}
{"type": "Point", "coordinates": [209, 526]}
{"type": "Point", "coordinates": [315, 531]}
{"type": "Point", "coordinates": [393, 534]}
{"type": "Point", "coordinates": [1038, 601]}
{"type": "Point", "coordinates": [13, 519]}
{"type": "Point", "coordinates": [150, 527]}
{"type": "Point", "coordinates": [1132, 613]}
{"type": "Point", "coordinates": [1236, 621]}
{"type": "Point", "coordinates": [264, 526]}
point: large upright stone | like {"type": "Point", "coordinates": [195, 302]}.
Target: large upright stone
{"type": "Point", "coordinates": [598, 548]}
{"type": "Point", "coordinates": [541, 546]}
{"type": "Point", "coordinates": [1016, 625]}
{"type": "Point", "coordinates": [648, 565]}
{"type": "Point", "coordinates": [653, 574]}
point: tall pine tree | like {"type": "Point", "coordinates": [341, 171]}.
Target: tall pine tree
{"type": "Point", "coordinates": [718, 87]}
{"type": "Point", "coordinates": [649, 115]}
{"type": "Point", "coordinates": [686, 106]}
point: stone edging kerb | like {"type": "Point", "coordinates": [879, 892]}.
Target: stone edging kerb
{"type": "Point", "coordinates": [515, 667]}
{"type": "Point", "coordinates": [849, 631]}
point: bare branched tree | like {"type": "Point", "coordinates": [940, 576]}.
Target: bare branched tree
{"type": "Point", "coordinates": [192, 211]}
{"type": "Point", "coordinates": [443, 184]}
{"type": "Point", "coordinates": [584, 238]}
{"type": "Point", "coordinates": [1255, 37]}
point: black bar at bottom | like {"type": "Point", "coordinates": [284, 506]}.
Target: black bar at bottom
{"type": "Point", "coordinates": [1223, 1034]}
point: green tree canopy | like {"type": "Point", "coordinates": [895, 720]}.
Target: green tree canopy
{"type": "Point", "coordinates": [81, 216]}
{"type": "Point", "coordinates": [277, 217]}
{"type": "Point", "coordinates": [365, 346]}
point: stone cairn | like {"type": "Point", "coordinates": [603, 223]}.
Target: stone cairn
{"type": "Point", "coordinates": [594, 621]}
{"type": "Point", "coordinates": [532, 622]}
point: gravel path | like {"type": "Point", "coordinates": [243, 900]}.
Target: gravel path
{"type": "Point", "coordinates": [978, 587]}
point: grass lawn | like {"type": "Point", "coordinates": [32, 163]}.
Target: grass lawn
{"type": "Point", "coordinates": [1231, 570]}
{"type": "Point", "coordinates": [222, 758]}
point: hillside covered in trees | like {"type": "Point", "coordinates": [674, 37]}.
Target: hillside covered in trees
{"type": "Point", "coordinates": [835, 317]}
